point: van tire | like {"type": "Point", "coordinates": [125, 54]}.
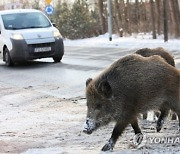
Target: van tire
{"type": "Point", "coordinates": [7, 58]}
{"type": "Point", "coordinates": [57, 59]}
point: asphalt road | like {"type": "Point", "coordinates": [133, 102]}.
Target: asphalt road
{"type": "Point", "coordinates": [64, 80]}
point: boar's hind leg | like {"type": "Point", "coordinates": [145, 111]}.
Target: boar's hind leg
{"type": "Point", "coordinates": [164, 113]}
{"type": "Point", "coordinates": [145, 115]}
{"type": "Point", "coordinates": [176, 109]}
{"type": "Point", "coordinates": [179, 120]}
{"type": "Point", "coordinates": [178, 115]}
{"type": "Point", "coordinates": [173, 116]}
{"type": "Point", "coordinates": [117, 131]}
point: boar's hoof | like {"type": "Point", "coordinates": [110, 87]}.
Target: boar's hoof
{"type": "Point", "coordinates": [158, 128]}
{"type": "Point", "coordinates": [159, 125]}
{"type": "Point", "coordinates": [87, 131]}
{"type": "Point", "coordinates": [174, 117]}
{"type": "Point", "coordinates": [108, 147]}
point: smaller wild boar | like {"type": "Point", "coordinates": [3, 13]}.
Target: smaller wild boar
{"type": "Point", "coordinates": [131, 85]}
{"type": "Point", "coordinates": [147, 52]}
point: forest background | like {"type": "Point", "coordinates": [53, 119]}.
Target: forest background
{"type": "Point", "coordinates": [82, 19]}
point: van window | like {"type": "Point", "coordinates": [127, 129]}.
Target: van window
{"type": "Point", "coordinates": [25, 21]}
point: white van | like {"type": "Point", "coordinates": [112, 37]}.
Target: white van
{"type": "Point", "coordinates": [27, 34]}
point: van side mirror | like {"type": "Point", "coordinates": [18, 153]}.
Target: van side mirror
{"type": "Point", "coordinates": [54, 24]}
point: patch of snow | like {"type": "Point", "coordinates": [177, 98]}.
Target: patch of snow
{"type": "Point", "coordinates": [132, 42]}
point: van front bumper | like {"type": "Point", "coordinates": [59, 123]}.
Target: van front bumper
{"type": "Point", "coordinates": [21, 51]}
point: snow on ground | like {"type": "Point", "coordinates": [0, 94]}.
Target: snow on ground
{"type": "Point", "coordinates": [136, 41]}
{"type": "Point", "coordinates": [133, 42]}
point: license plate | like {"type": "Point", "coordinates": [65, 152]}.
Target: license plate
{"type": "Point", "coordinates": [43, 49]}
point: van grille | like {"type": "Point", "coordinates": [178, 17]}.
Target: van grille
{"type": "Point", "coordinates": [41, 45]}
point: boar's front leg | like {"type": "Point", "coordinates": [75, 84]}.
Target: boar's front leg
{"type": "Point", "coordinates": [137, 131]}
{"type": "Point", "coordinates": [117, 131]}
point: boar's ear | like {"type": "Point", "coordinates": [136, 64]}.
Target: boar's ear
{"type": "Point", "coordinates": [104, 89]}
{"type": "Point", "coordinates": [88, 81]}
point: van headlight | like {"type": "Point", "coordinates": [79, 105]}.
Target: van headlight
{"type": "Point", "coordinates": [57, 34]}
{"type": "Point", "coordinates": [17, 37]}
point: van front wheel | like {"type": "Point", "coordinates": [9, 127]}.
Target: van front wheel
{"type": "Point", "coordinates": [57, 59]}
{"type": "Point", "coordinates": [8, 59]}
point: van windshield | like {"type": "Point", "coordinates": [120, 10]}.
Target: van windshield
{"type": "Point", "coordinates": [18, 21]}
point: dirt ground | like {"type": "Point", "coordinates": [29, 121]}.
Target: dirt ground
{"type": "Point", "coordinates": [53, 125]}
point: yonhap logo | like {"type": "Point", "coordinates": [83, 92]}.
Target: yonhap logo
{"type": "Point", "coordinates": [140, 139]}
{"type": "Point", "coordinates": [164, 140]}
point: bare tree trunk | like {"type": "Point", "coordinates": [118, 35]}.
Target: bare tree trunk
{"type": "Point", "coordinates": [153, 19]}
{"type": "Point", "coordinates": [145, 22]}
{"type": "Point", "coordinates": [101, 16]}
{"type": "Point", "coordinates": [137, 15]}
{"type": "Point", "coordinates": [158, 4]}
{"type": "Point", "coordinates": [141, 16]}
{"type": "Point", "coordinates": [117, 18]}
{"type": "Point", "coordinates": [165, 8]}
{"type": "Point", "coordinates": [122, 7]}
{"type": "Point", "coordinates": [176, 15]}
{"type": "Point", "coordinates": [171, 18]}
{"type": "Point", "coordinates": [118, 11]}
{"type": "Point", "coordinates": [129, 15]}
{"type": "Point", "coordinates": [117, 26]}
{"type": "Point", "coordinates": [127, 20]}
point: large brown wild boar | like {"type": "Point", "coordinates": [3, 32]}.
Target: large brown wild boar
{"type": "Point", "coordinates": [147, 52]}
{"type": "Point", "coordinates": [131, 85]}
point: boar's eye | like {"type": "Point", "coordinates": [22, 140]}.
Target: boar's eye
{"type": "Point", "coordinates": [98, 106]}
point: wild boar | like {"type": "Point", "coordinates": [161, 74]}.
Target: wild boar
{"type": "Point", "coordinates": [131, 85]}
{"type": "Point", "coordinates": [147, 52]}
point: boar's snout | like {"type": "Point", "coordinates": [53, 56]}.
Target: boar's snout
{"type": "Point", "coordinates": [89, 126]}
